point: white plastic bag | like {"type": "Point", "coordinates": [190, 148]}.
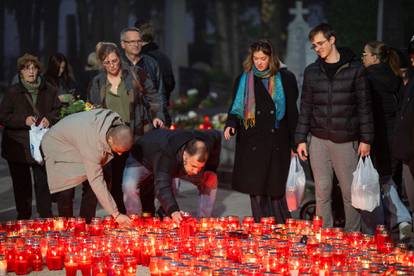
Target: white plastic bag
{"type": "Point", "coordinates": [365, 189]}
{"type": "Point", "coordinates": [295, 185]}
{"type": "Point", "coordinates": [36, 134]}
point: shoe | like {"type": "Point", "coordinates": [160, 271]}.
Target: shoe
{"type": "Point", "coordinates": [405, 230]}
{"type": "Point", "coordinates": [160, 213]}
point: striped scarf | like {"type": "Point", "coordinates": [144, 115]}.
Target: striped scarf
{"type": "Point", "coordinates": [244, 105]}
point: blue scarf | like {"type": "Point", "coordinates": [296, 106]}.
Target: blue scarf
{"type": "Point", "coordinates": [244, 105]}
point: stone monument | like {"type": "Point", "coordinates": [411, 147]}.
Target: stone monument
{"type": "Point", "coordinates": [299, 52]}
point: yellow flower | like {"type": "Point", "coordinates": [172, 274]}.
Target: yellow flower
{"type": "Point", "coordinates": [88, 106]}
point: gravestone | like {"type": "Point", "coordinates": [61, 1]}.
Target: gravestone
{"type": "Point", "coordinates": [299, 53]}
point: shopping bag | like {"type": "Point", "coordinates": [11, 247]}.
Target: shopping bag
{"type": "Point", "coordinates": [365, 189]}
{"type": "Point", "coordinates": [36, 134]}
{"type": "Point", "coordinates": [295, 185]}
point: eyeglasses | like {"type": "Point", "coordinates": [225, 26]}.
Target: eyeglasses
{"type": "Point", "coordinates": [133, 41]}
{"type": "Point", "coordinates": [111, 62]}
{"type": "Point", "coordinates": [318, 44]}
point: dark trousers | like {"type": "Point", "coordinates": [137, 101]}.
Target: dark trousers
{"type": "Point", "coordinates": [266, 206]}
{"type": "Point", "coordinates": [147, 196]}
{"type": "Point", "coordinates": [117, 171]}
{"type": "Point", "coordinates": [22, 188]}
{"type": "Point", "coordinates": [89, 201]}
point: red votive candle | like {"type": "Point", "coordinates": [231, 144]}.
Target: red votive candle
{"type": "Point", "coordinates": [71, 264]}
{"type": "Point", "coordinates": [96, 227]}
{"type": "Point", "coordinates": [80, 226]}
{"type": "Point", "coordinates": [21, 261]}
{"type": "Point", "coordinates": [10, 255]}
{"type": "Point", "coordinates": [54, 260]}
{"type": "Point", "coordinates": [99, 269]}
{"type": "Point", "coordinates": [36, 256]}
{"type": "Point", "coordinates": [85, 263]}
{"type": "Point", "coordinates": [59, 224]}
{"type": "Point", "coordinates": [317, 223]}
{"type": "Point", "coordinates": [130, 266]}
{"type": "Point", "coordinates": [3, 265]}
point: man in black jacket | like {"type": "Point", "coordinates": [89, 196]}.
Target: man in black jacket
{"type": "Point", "coordinates": [150, 48]}
{"type": "Point", "coordinates": [131, 42]}
{"type": "Point", "coordinates": [162, 155]}
{"type": "Point", "coordinates": [336, 111]}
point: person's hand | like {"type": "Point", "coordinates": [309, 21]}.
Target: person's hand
{"type": "Point", "coordinates": [30, 120]}
{"type": "Point", "coordinates": [228, 132]}
{"type": "Point", "coordinates": [293, 154]}
{"type": "Point", "coordinates": [44, 122]}
{"type": "Point", "coordinates": [302, 151]}
{"type": "Point", "coordinates": [123, 220]}
{"type": "Point", "coordinates": [177, 216]}
{"type": "Point", "coordinates": [157, 123]}
{"type": "Point", "coordinates": [364, 149]}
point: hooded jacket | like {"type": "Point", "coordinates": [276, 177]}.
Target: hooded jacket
{"type": "Point", "coordinates": [337, 109]}
{"type": "Point", "coordinates": [76, 149]}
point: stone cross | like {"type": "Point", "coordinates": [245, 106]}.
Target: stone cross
{"type": "Point", "coordinates": [299, 54]}
{"type": "Point", "coordinates": [298, 11]}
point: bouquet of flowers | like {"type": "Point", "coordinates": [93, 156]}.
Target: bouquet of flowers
{"type": "Point", "coordinates": [74, 107]}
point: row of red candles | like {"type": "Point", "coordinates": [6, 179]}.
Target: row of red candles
{"type": "Point", "coordinates": [200, 247]}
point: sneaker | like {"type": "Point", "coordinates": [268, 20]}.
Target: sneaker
{"type": "Point", "coordinates": [405, 230]}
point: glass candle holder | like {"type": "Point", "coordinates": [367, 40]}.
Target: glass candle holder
{"type": "Point", "coordinates": [268, 220]}
{"type": "Point", "coordinates": [10, 256]}
{"type": "Point", "coordinates": [36, 256]}
{"type": "Point", "coordinates": [99, 269]}
{"type": "Point", "coordinates": [96, 227]}
{"type": "Point", "coordinates": [85, 263]}
{"type": "Point", "coordinates": [3, 265]}
{"type": "Point", "coordinates": [116, 269]}
{"type": "Point", "coordinates": [317, 223]}
{"type": "Point", "coordinates": [130, 266]}
{"type": "Point", "coordinates": [21, 261]}
{"type": "Point", "coordinates": [59, 224]}
{"type": "Point", "coordinates": [71, 264]}
{"type": "Point", "coordinates": [80, 226]}
{"type": "Point", "coordinates": [54, 259]}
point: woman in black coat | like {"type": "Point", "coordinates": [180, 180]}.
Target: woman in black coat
{"type": "Point", "coordinates": [384, 81]}
{"type": "Point", "coordinates": [59, 76]}
{"type": "Point", "coordinates": [263, 114]}
{"type": "Point", "coordinates": [30, 101]}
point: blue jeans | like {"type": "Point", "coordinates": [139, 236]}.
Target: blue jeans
{"type": "Point", "coordinates": [397, 210]}
{"type": "Point", "coordinates": [135, 175]}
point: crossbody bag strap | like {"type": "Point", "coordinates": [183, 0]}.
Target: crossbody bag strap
{"type": "Point", "coordinates": [35, 110]}
{"type": "Point", "coordinates": [136, 82]}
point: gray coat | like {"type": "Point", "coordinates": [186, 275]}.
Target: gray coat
{"type": "Point", "coordinates": [75, 149]}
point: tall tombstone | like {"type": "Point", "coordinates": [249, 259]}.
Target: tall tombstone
{"type": "Point", "coordinates": [175, 36]}
{"type": "Point", "coordinates": [299, 53]}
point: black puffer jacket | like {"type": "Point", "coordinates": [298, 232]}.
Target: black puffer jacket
{"type": "Point", "coordinates": [340, 109]}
